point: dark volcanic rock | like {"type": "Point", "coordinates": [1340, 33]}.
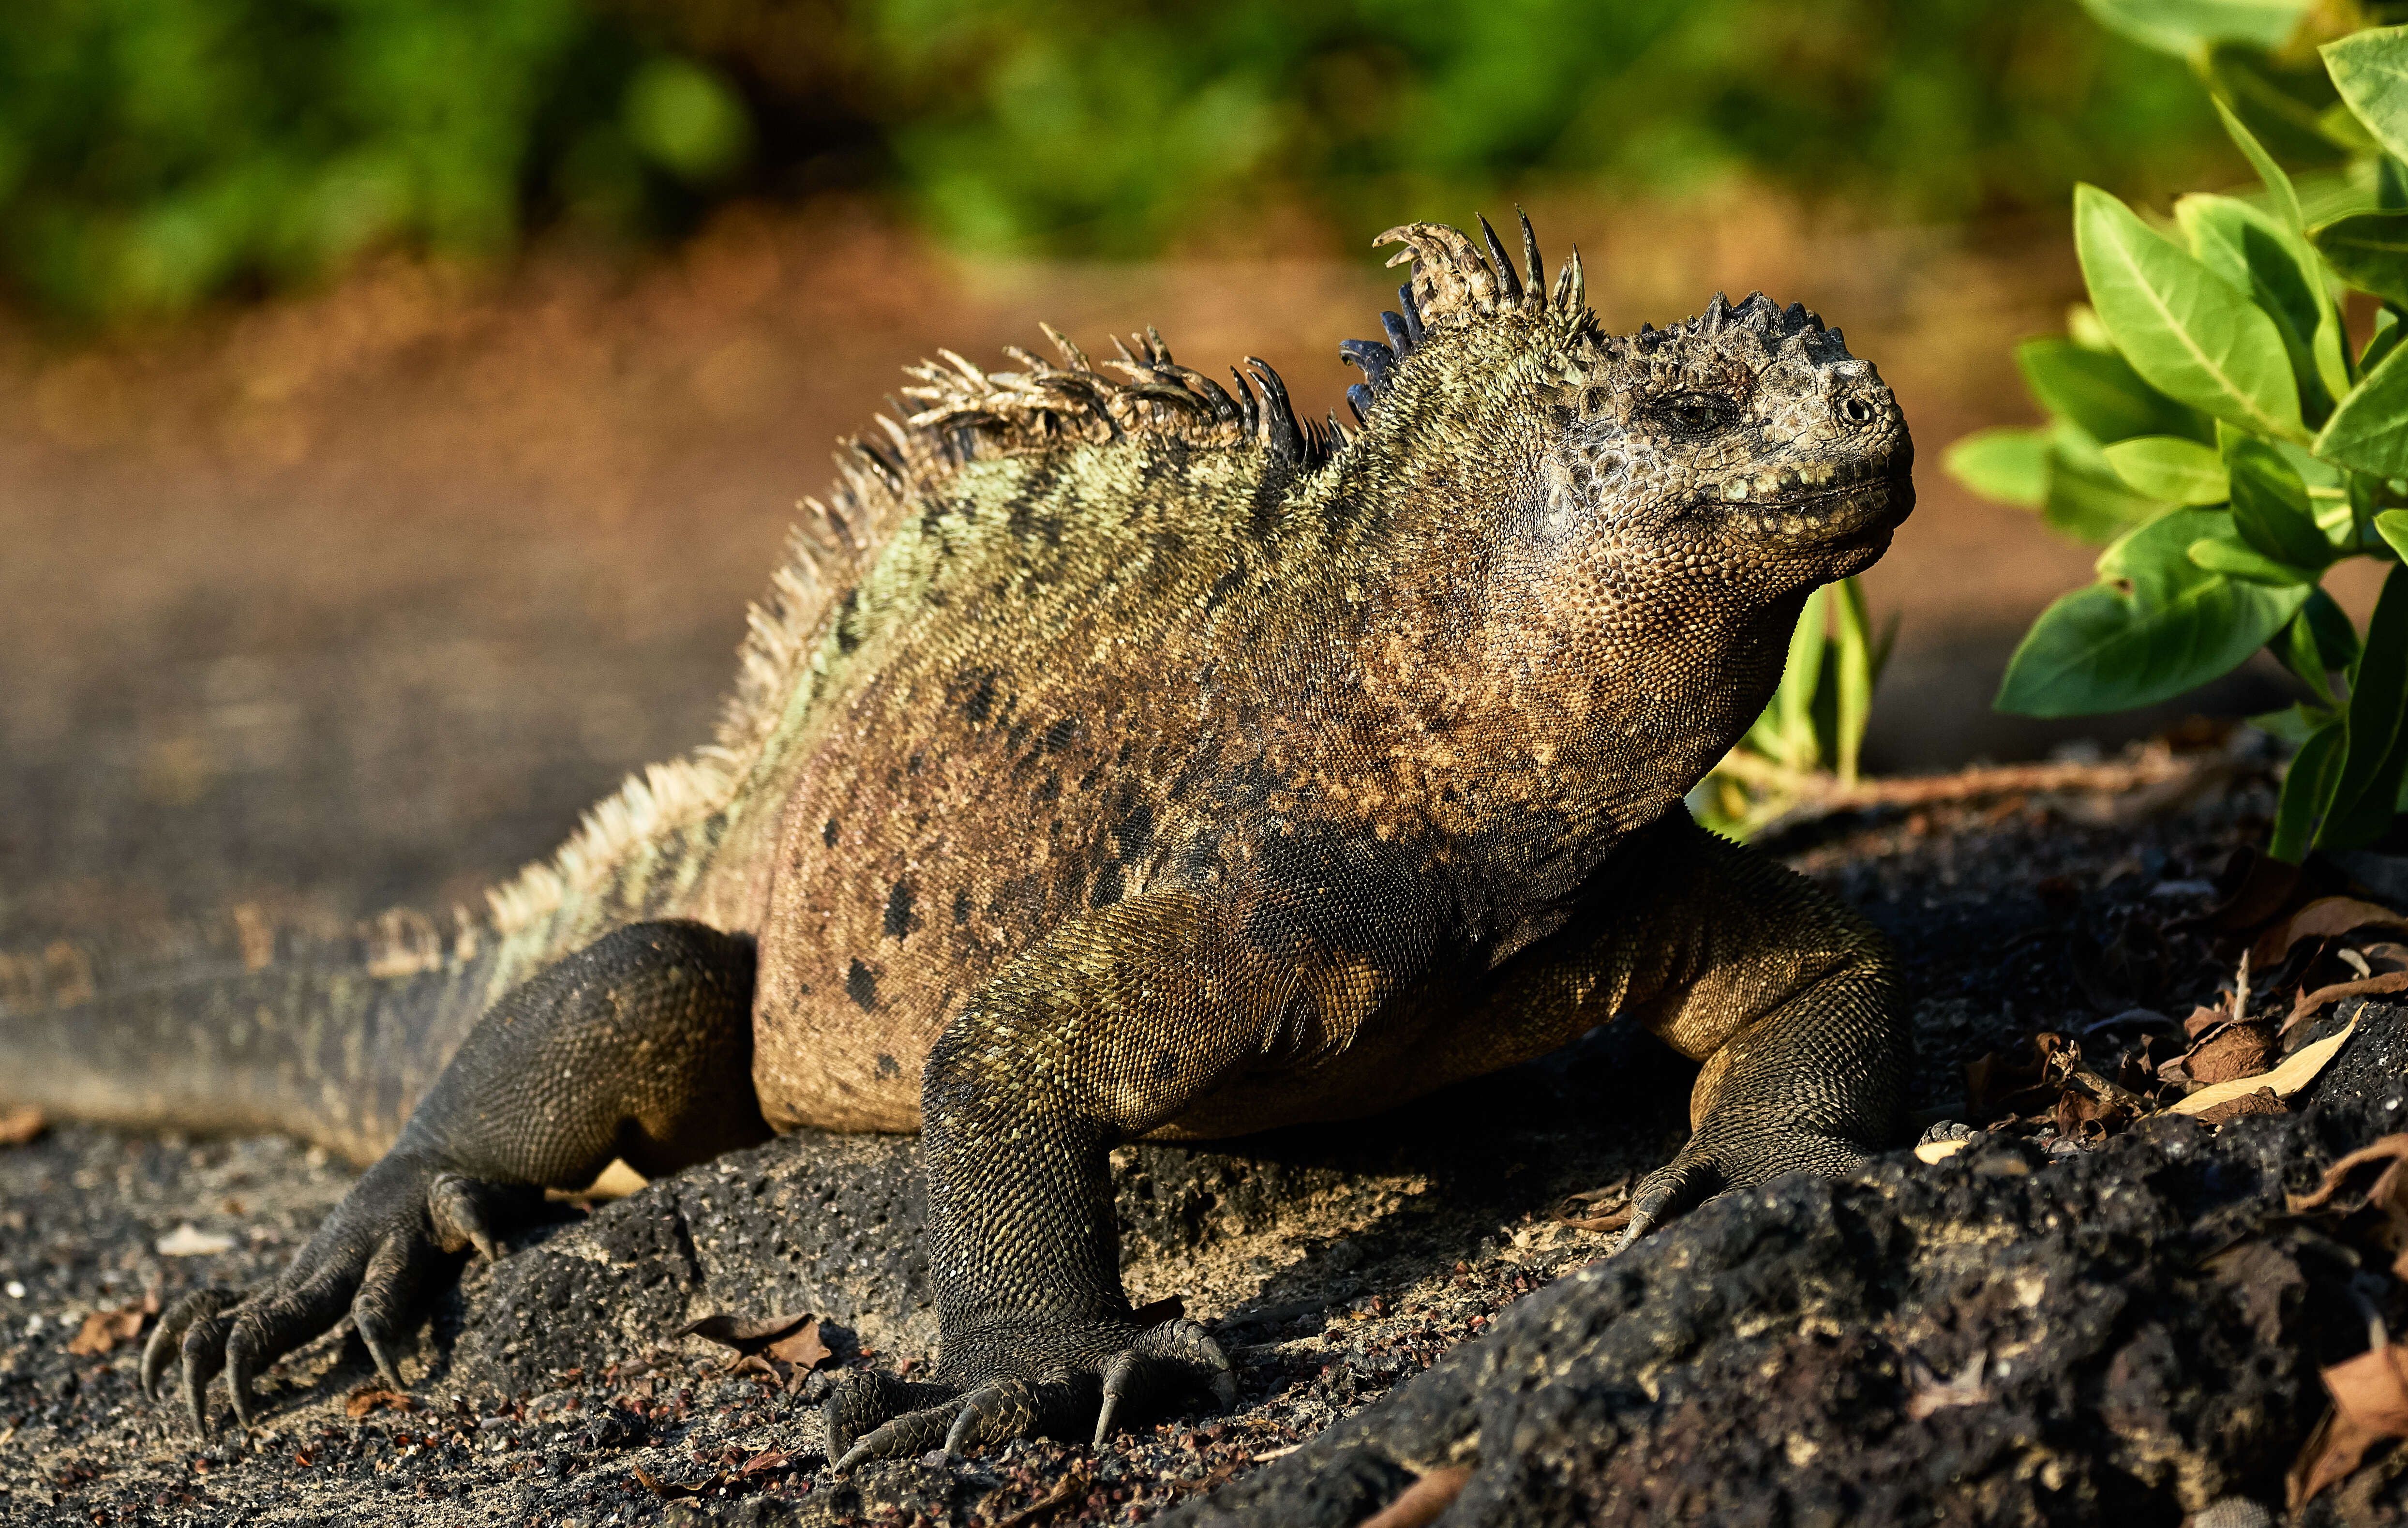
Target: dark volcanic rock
{"type": "Point", "coordinates": [2129, 1336]}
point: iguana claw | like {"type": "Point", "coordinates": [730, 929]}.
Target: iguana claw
{"type": "Point", "coordinates": [1151, 1366]}
{"type": "Point", "coordinates": [369, 1261]}
{"type": "Point", "coordinates": [1715, 1163]}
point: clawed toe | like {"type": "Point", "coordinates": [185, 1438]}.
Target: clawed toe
{"type": "Point", "coordinates": [367, 1261]}
{"type": "Point", "coordinates": [1003, 1409]}
{"type": "Point", "coordinates": [167, 1342]}
{"type": "Point", "coordinates": [204, 1349]}
{"type": "Point", "coordinates": [877, 1415]}
{"type": "Point", "coordinates": [872, 1415]}
{"type": "Point", "coordinates": [1167, 1361]}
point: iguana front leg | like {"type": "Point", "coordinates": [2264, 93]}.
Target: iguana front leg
{"type": "Point", "coordinates": [1106, 1030]}
{"type": "Point", "coordinates": [638, 1045]}
{"type": "Point", "coordinates": [1787, 997]}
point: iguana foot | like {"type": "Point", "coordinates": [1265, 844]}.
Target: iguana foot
{"type": "Point", "coordinates": [1707, 1167]}
{"type": "Point", "coordinates": [367, 1261]}
{"type": "Point", "coordinates": [1023, 1380]}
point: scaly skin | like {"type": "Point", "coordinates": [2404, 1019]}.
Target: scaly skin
{"type": "Point", "coordinates": [1134, 760]}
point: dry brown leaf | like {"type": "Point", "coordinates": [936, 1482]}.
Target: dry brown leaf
{"type": "Point", "coordinates": [2243, 1050]}
{"type": "Point", "coordinates": [2388, 1149]}
{"type": "Point", "coordinates": [670, 1491]}
{"type": "Point", "coordinates": [2369, 1395]}
{"type": "Point", "coordinates": [2203, 1019]}
{"type": "Point", "coordinates": [768, 1461]}
{"type": "Point", "coordinates": [23, 1125]}
{"type": "Point", "coordinates": [361, 1402]}
{"type": "Point", "coordinates": [2372, 1389]}
{"type": "Point", "coordinates": [104, 1329]}
{"type": "Point", "coordinates": [2326, 917]}
{"type": "Point", "coordinates": [2261, 1102]}
{"type": "Point", "coordinates": [2082, 1117]}
{"type": "Point", "coordinates": [2287, 1079]}
{"type": "Point", "coordinates": [2384, 956]}
{"type": "Point", "coordinates": [1992, 1079]}
{"type": "Point", "coordinates": [802, 1346]}
{"type": "Point", "coordinates": [747, 1334]}
{"type": "Point", "coordinates": [2324, 997]}
{"type": "Point", "coordinates": [1070, 1489]}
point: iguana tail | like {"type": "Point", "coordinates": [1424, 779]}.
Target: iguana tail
{"type": "Point", "coordinates": [248, 1027]}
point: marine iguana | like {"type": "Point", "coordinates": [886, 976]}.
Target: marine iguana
{"type": "Point", "coordinates": [1118, 758]}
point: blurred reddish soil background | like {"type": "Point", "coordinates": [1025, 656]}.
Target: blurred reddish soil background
{"type": "Point", "coordinates": [357, 598]}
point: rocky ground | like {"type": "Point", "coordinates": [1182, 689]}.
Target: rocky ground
{"type": "Point", "coordinates": [2038, 1328]}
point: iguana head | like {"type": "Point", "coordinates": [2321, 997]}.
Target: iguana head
{"type": "Point", "coordinates": [1745, 443]}
{"type": "Point", "coordinates": [1622, 528]}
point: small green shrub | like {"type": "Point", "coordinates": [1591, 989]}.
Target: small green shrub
{"type": "Point", "coordinates": [2212, 426]}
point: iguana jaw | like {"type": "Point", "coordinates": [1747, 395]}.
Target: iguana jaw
{"type": "Point", "coordinates": [1851, 512]}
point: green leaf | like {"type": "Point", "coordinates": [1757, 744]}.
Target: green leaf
{"type": "Point", "coordinates": [2336, 639]}
{"type": "Point", "coordinates": [2369, 251]}
{"type": "Point", "coordinates": [2184, 329]}
{"type": "Point", "coordinates": [1794, 700]}
{"type": "Point", "coordinates": [2293, 724]}
{"type": "Point", "coordinates": [2296, 644]}
{"type": "Point", "coordinates": [2370, 756]}
{"type": "Point", "coordinates": [2364, 495]}
{"type": "Point", "coordinates": [2307, 792]}
{"type": "Point", "coordinates": [2269, 505]}
{"type": "Point", "coordinates": [2099, 391]}
{"type": "Point", "coordinates": [2176, 626]}
{"type": "Point", "coordinates": [2282, 274]}
{"type": "Point", "coordinates": [2369, 428]}
{"type": "Point", "coordinates": [2237, 559]}
{"type": "Point", "coordinates": [1854, 650]}
{"type": "Point", "coordinates": [2008, 463]}
{"type": "Point", "coordinates": [2170, 468]}
{"type": "Point", "coordinates": [2085, 500]}
{"type": "Point", "coordinates": [2387, 330]}
{"type": "Point", "coordinates": [2278, 185]}
{"type": "Point", "coordinates": [2392, 525]}
{"type": "Point", "coordinates": [2180, 27]}
{"type": "Point", "coordinates": [2370, 68]}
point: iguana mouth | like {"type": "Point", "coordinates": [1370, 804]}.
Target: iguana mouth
{"type": "Point", "coordinates": [1851, 501]}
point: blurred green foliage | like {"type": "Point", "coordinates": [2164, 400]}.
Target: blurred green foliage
{"type": "Point", "coordinates": [1112, 126]}
{"type": "Point", "coordinates": [155, 152]}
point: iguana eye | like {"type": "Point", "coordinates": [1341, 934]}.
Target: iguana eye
{"type": "Point", "coordinates": [1694, 411]}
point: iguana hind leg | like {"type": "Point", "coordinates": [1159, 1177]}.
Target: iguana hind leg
{"type": "Point", "coordinates": [638, 1045]}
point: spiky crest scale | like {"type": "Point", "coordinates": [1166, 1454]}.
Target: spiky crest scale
{"type": "Point", "coordinates": [969, 413]}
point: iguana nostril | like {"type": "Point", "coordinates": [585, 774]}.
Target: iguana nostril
{"type": "Point", "coordinates": [1856, 411]}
